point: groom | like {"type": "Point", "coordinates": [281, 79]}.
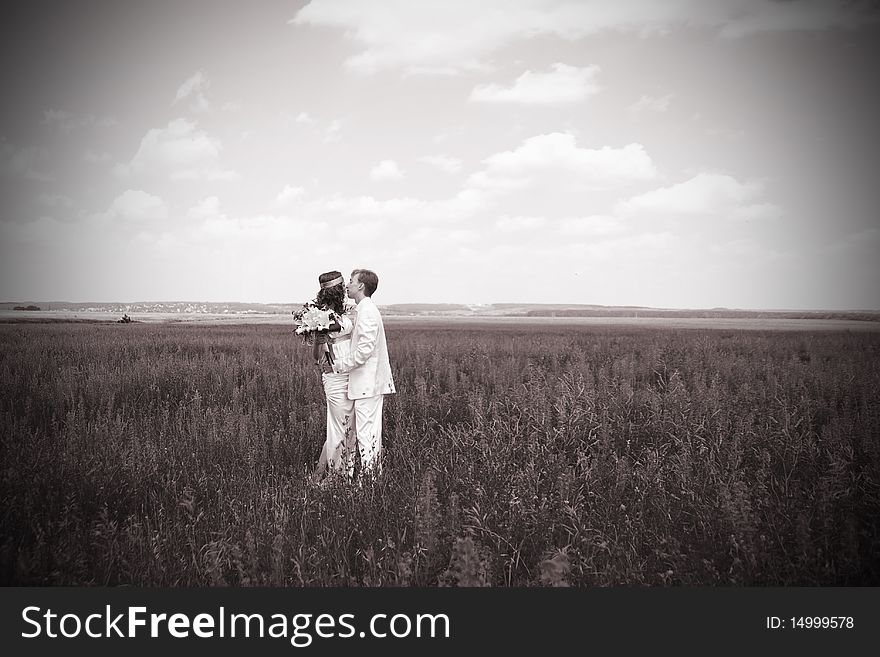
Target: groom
{"type": "Point", "coordinates": [368, 367]}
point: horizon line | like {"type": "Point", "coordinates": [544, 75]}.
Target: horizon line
{"type": "Point", "coordinates": [458, 303]}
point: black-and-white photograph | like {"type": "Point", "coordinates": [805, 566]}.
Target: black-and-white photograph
{"type": "Point", "coordinates": [510, 293]}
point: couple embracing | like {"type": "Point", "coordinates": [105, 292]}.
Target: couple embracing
{"type": "Point", "coordinates": [357, 376]}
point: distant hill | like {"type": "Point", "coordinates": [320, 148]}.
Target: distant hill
{"type": "Point", "coordinates": [593, 310]}
{"type": "Point", "coordinates": [714, 313]}
{"type": "Point", "coordinates": [427, 309]}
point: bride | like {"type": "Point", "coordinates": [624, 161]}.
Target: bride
{"type": "Point", "coordinates": [338, 451]}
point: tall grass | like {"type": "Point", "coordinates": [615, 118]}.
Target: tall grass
{"type": "Point", "coordinates": [178, 455]}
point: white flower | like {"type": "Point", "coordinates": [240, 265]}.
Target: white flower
{"type": "Point", "coordinates": [313, 318]}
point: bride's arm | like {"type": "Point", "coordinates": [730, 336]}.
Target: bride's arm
{"type": "Point", "coordinates": [343, 326]}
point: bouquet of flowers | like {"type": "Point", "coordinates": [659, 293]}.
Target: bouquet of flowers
{"type": "Point", "coordinates": [312, 318]}
{"type": "Point", "coordinates": [313, 323]}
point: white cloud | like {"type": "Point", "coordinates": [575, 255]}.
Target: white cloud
{"type": "Point", "coordinates": [68, 121]}
{"type": "Point", "coordinates": [243, 240]}
{"type": "Point", "coordinates": [449, 36]}
{"type": "Point", "coordinates": [603, 168]}
{"type": "Point", "coordinates": [272, 232]}
{"type": "Point", "coordinates": [564, 84]}
{"type": "Point", "coordinates": [650, 103]}
{"type": "Point", "coordinates": [303, 117]}
{"type": "Point", "coordinates": [628, 269]}
{"type": "Point", "coordinates": [207, 207]}
{"type": "Point", "coordinates": [136, 206]}
{"type": "Point", "coordinates": [445, 163]}
{"type": "Point", "coordinates": [704, 194]}
{"type": "Point", "coordinates": [386, 170]}
{"type": "Point", "coordinates": [194, 88]}
{"type": "Point", "coordinates": [181, 151]}
{"type": "Point", "coordinates": [287, 196]}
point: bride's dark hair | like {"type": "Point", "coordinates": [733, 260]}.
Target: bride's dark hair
{"type": "Point", "coordinates": [332, 297]}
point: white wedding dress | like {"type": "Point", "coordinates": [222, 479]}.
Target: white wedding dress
{"type": "Point", "coordinates": [338, 450]}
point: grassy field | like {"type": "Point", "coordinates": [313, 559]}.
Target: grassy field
{"type": "Point", "coordinates": [542, 454]}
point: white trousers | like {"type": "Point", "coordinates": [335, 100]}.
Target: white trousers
{"type": "Point", "coordinates": [338, 451]}
{"type": "Point", "coordinates": [368, 422]}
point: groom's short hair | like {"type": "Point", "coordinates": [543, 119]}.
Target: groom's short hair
{"type": "Point", "coordinates": [368, 278]}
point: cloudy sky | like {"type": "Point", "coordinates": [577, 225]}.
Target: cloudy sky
{"type": "Point", "coordinates": [691, 153]}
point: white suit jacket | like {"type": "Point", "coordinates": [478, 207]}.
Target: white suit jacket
{"type": "Point", "coordinates": [368, 367]}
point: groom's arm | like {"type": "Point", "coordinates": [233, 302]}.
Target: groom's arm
{"type": "Point", "coordinates": [367, 338]}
